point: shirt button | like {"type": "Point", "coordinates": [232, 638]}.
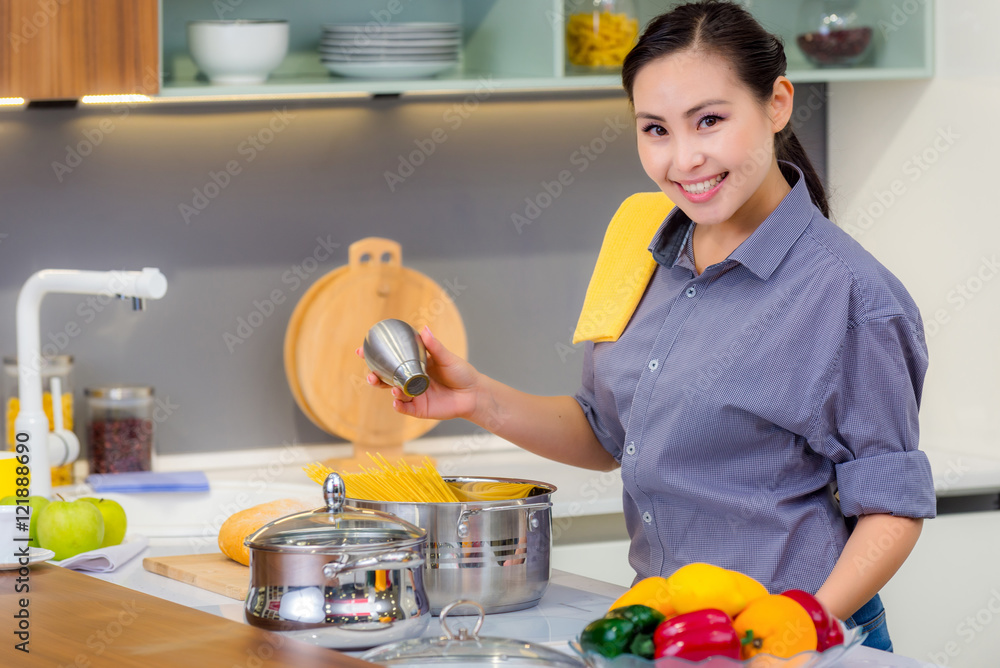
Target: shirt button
{"type": "Point", "coordinates": [647, 517]}
{"type": "Point", "coordinates": [630, 449]}
{"type": "Point", "coordinates": [691, 292]}
{"type": "Point", "coordinates": [654, 365]}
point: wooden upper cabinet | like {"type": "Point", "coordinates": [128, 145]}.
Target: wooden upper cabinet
{"type": "Point", "coordinates": [65, 49]}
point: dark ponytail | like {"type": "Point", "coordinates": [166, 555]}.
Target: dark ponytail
{"type": "Point", "coordinates": [757, 56]}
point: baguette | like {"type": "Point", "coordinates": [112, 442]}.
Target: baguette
{"type": "Point", "coordinates": [235, 530]}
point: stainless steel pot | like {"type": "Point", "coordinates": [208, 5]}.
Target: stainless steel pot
{"type": "Point", "coordinates": [493, 552]}
{"type": "Point", "coordinates": [338, 576]}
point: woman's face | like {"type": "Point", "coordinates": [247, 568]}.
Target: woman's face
{"type": "Point", "coordinates": [705, 139]}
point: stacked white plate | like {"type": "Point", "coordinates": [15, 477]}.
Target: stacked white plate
{"type": "Point", "coordinates": [390, 51]}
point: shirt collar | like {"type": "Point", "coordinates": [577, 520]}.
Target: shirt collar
{"type": "Point", "coordinates": [762, 251]}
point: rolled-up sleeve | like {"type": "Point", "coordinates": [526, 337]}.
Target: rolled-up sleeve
{"type": "Point", "coordinates": [868, 424]}
{"type": "Point", "coordinates": [587, 398]}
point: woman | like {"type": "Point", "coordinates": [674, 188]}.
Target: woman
{"type": "Point", "coordinates": [760, 391]}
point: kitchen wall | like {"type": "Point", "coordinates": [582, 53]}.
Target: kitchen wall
{"type": "Point", "coordinates": [123, 188]}
{"type": "Point", "coordinates": [912, 168]}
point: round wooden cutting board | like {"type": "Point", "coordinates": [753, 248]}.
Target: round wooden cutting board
{"type": "Point", "coordinates": [292, 339]}
{"type": "Point", "coordinates": [320, 358]}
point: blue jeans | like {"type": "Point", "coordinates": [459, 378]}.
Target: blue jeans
{"type": "Point", "coordinates": [871, 618]}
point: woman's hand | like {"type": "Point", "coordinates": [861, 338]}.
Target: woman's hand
{"type": "Point", "coordinates": [452, 391]}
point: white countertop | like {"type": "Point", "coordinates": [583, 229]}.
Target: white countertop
{"type": "Point", "coordinates": [272, 473]}
{"type": "Point", "coordinates": [569, 603]}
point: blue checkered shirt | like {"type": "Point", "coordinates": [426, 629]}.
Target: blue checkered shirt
{"type": "Point", "coordinates": [741, 400]}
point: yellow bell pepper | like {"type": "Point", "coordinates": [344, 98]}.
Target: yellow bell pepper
{"type": "Point", "coordinates": [698, 586]}
{"type": "Point", "coordinates": [653, 592]}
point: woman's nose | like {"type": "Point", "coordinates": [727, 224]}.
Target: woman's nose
{"type": "Point", "coordinates": [688, 155]}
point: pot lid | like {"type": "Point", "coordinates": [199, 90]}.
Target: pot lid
{"type": "Point", "coordinates": [336, 527]}
{"type": "Point", "coordinates": [465, 649]}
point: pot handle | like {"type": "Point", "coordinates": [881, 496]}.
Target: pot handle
{"type": "Point", "coordinates": [463, 518]}
{"type": "Point", "coordinates": [381, 562]}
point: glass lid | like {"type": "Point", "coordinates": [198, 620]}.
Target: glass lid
{"type": "Point", "coordinates": [334, 527]}
{"type": "Point", "coordinates": [465, 649]}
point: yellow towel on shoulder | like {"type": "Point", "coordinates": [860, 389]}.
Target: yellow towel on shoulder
{"type": "Point", "coordinates": [624, 267]}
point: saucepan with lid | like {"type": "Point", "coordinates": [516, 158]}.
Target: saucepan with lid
{"type": "Point", "coordinates": [338, 576]}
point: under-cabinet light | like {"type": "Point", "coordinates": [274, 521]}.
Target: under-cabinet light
{"type": "Point", "coordinates": [258, 97]}
{"type": "Point", "coordinates": [114, 99]}
{"type": "Point", "coordinates": [11, 101]}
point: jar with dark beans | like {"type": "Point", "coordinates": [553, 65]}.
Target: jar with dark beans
{"type": "Point", "coordinates": [841, 48]}
{"type": "Point", "coordinates": [120, 429]}
{"type": "Point", "coordinates": [118, 446]}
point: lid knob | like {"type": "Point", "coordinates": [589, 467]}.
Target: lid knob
{"type": "Point", "coordinates": [334, 492]}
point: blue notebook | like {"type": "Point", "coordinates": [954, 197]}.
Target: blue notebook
{"type": "Point", "coordinates": [149, 481]}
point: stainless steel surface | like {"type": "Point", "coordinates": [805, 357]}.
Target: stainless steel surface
{"type": "Point", "coordinates": [494, 552]}
{"type": "Point", "coordinates": [467, 648]}
{"type": "Point", "coordinates": [394, 351]}
{"type": "Point", "coordinates": [338, 576]}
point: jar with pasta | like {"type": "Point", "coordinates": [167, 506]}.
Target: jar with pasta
{"type": "Point", "coordinates": [51, 366]}
{"type": "Point", "coordinates": [599, 34]}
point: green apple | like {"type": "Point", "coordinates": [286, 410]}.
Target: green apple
{"type": "Point", "coordinates": [36, 503]}
{"type": "Point", "coordinates": [114, 520]}
{"type": "Point", "coordinates": [70, 527]}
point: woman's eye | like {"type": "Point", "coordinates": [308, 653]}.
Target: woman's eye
{"type": "Point", "coordinates": [709, 121]}
{"type": "Point", "coordinates": [655, 129]}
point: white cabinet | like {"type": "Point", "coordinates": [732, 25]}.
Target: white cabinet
{"type": "Point", "coordinates": [604, 560]}
{"type": "Point", "coordinates": [943, 605]}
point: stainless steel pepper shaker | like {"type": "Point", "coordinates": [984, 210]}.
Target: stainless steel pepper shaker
{"type": "Point", "coordinates": [394, 351]}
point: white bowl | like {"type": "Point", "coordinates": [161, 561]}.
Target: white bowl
{"type": "Point", "coordinates": [237, 52]}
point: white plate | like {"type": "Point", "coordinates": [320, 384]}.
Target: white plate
{"type": "Point", "coordinates": [388, 43]}
{"type": "Point", "coordinates": [390, 55]}
{"type": "Point", "coordinates": [393, 60]}
{"type": "Point", "coordinates": [389, 36]}
{"type": "Point", "coordinates": [376, 50]}
{"type": "Point", "coordinates": [372, 26]}
{"type": "Point", "coordinates": [35, 555]}
{"type": "Point", "coordinates": [390, 70]}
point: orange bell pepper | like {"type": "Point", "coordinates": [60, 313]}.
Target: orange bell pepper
{"type": "Point", "coordinates": [775, 625]}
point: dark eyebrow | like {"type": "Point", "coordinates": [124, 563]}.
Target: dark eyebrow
{"type": "Point", "coordinates": [694, 110]}
{"type": "Point", "coordinates": [687, 114]}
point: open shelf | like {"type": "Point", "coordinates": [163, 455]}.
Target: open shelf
{"type": "Point", "coordinates": [508, 45]}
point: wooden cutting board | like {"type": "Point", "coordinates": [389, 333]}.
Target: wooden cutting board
{"type": "Point", "coordinates": [78, 620]}
{"type": "Point", "coordinates": [333, 324]}
{"type": "Point", "coordinates": [215, 572]}
{"type": "Point", "coordinates": [292, 342]}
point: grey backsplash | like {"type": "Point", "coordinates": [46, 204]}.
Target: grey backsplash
{"type": "Point", "coordinates": [319, 182]}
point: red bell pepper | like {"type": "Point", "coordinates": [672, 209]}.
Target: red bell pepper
{"type": "Point", "coordinates": [828, 632]}
{"type": "Point", "coordinates": [697, 635]}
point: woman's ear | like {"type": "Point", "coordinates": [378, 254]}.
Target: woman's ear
{"type": "Point", "coordinates": [781, 104]}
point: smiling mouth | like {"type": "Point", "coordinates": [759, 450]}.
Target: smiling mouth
{"type": "Point", "coordinates": [703, 186]}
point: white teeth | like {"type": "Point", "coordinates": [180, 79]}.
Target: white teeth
{"type": "Point", "coordinates": [704, 186]}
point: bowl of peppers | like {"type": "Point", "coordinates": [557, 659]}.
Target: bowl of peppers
{"type": "Point", "coordinates": [704, 615]}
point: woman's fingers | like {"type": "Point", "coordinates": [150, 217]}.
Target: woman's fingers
{"type": "Point", "coordinates": [435, 348]}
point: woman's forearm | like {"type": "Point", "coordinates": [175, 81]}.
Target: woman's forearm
{"type": "Point", "coordinates": [552, 427]}
{"type": "Point", "coordinates": [876, 549]}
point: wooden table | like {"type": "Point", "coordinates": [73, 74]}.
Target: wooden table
{"type": "Point", "coordinates": [81, 621]}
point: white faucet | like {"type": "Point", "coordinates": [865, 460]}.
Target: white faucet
{"type": "Point", "coordinates": [47, 449]}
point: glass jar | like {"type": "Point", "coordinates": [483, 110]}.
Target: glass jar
{"type": "Point", "coordinates": [53, 366]}
{"type": "Point", "coordinates": [119, 429]}
{"type": "Point", "coordinates": [599, 34]}
{"type": "Point", "coordinates": [834, 33]}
